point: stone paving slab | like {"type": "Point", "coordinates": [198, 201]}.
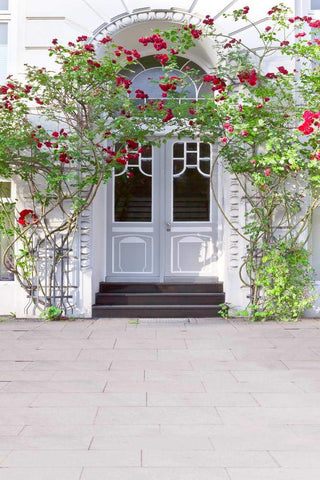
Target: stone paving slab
{"type": "Point", "coordinates": [160, 399]}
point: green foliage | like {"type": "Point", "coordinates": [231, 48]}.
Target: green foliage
{"type": "Point", "coordinates": [224, 311]}
{"type": "Point", "coordinates": [286, 277]}
{"type": "Point", "coordinates": [51, 313]}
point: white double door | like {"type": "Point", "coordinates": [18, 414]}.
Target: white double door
{"type": "Point", "coordinates": [161, 223]}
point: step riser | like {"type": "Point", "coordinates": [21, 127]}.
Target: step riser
{"type": "Point", "coordinates": [161, 288]}
{"type": "Point", "coordinates": [162, 299]}
{"type": "Point", "coordinates": [182, 312]}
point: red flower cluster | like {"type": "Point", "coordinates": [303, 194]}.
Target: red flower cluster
{"type": "Point", "coordinates": [309, 119]}
{"type": "Point", "coordinates": [83, 38]}
{"type": "Point", "coordinates": [123, 159]}
{"type": "Point", "coordinates": [218, 83]}
{"type": "Point", "coordinates": [140, 94]}
{"type": "Point", "coordinates": [249, 76]}
{"type": "Point", "coordinates": [302, 34]}
{"type": "Point", "coordinates": [230, 43]}
{"type": "Point", "coordinates": [4, 89]}
{"type": "Point", "coordinates": [194, 32]}
{"type": "Point", "coordinates": [271, 75]}
{"type": "Point", "coordinates": [123, 81]}
{"type": "Point", "coordinates": [106, 40]}
{"type": "Point", "coordinates": [300, 19]}
{"type": "Point", "coordinates": [57, 134]}
{"type": "Point", "coordinates": [131, 54]}
{"type": "Point", "coordinates": [64, 157]}
{"type": "Point", "coordinates": [168, 116]}
{"type": "Point", "coordinates": [93, 64]}
{"type": "Point", "coordinates": [172, 85]}
{"type": "Point", "coordinates": [157, 41]}
{"type": "Point", "coordinates": [27, 217]}
{"type": "Point", "coordinates": [89, 47]}
{"type": "Point", "coordinates": [132, 145]}
{"type": "Point", "coordinates": [245, 10]}
{"type": "Point", "coordinates": [283, 70]}
{"type": "Point", "coordinates": [208, 20]}
{"type": "Point", "coordinates": [163, 59]}
{"type": "Point", "coordinates": [228, 126]}
{"type": "Point", "coordinates": [315, 24]}
{"type": "Point", "coordinates": [274, 10]}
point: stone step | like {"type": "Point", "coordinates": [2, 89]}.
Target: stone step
{"type": "Point", "coordinates": [159, 298]}
{"type": "Point", "coordinates": [153, 311]}
{"type": "Point", "coordinates": [214, 287]}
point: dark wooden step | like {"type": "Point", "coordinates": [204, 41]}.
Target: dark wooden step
{"type": "Point", "coordinates": [154, 311]}
{"type": "Point", "coordinates": [159, 298]}
{"type": "Point", "coordinates": [214, 287]}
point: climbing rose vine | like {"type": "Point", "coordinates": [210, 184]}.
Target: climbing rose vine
{"type": "Point", "coordinates": [265, 121]}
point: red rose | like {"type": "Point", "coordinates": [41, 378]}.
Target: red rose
{"type": "Point", "coordinates": [27, 217]}
{"type": "Point", "coordinates": [89, 47]}
{"type": "Point", "coordinates": [132, 145]}
{"type": "Point", "coordinates": [283, 70]}
{"type": "Point", "coordinates": [64, 158]}
{"type": "Point", "coordinates": [106, 40]}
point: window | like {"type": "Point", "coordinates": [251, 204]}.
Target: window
{"type": "Point", "coordinates": [4, 4]}
{"type": "Point", "coordinates": [5, 195]}
{"type": "Point", "coordinates": [315, 4]}
{"type": "Point", "coordinates": [3, 51]}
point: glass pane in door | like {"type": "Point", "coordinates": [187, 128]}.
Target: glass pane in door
{"type": "Point", "coordinates": [191, 183]}
{"type": "Point", "coordinates": [133, 190]}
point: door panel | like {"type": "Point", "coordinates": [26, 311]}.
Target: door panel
{"type": "Point", "coordinates": [191, 220]}
{"type": "Point", "coordinates": [133, 220]}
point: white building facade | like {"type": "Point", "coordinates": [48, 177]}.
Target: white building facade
{"type": "Point", "coordinates": [159, 238]}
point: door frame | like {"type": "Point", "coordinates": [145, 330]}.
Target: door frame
{"type": "Point", "coordinates": [162, 188]}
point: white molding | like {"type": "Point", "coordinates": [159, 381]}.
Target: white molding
{"type": "Point", "coordinates": [143, 15]}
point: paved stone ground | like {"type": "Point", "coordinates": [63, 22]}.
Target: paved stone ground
{"type": "Point", "coordinates": [204, 399]}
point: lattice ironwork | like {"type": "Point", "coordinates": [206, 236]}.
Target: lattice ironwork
{"type": "Point", "coordinates": [55, 274]}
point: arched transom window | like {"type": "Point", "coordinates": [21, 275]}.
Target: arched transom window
{"type": "Point", "coordinates": [146, 75]}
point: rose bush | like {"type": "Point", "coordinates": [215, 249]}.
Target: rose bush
{"type": "Point", "coordinates": [267, 126]}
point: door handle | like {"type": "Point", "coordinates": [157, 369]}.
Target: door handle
{"type": "Point", "coordinates": [168, 227]}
